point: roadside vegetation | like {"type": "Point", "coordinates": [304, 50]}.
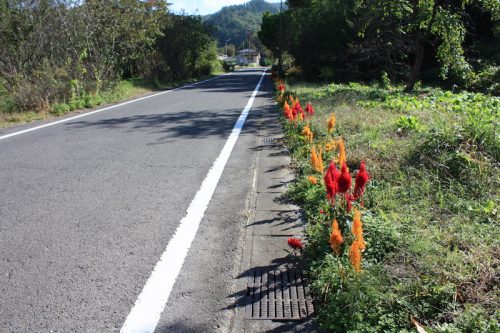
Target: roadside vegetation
{"type": "Point", "coordinates": [429, 212]}
{"type": "Point", "coordinates": [57, 56]}
{"type": "Point", "coordinates": [453, 44]}
{"type": "Point", "coordinates": [405, 95]}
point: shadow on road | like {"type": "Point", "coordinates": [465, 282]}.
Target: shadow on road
{"type": "Point", "coordinates": [188, 124]}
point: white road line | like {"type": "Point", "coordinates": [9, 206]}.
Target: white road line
{"type": "Point", "coordinates": [106, 108]}
{"type": "Point", "coordinates": [147, 310]}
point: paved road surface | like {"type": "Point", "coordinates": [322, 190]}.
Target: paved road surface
{"type": "Point", "coordinates": [88, 206]}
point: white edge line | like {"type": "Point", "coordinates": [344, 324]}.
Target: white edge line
{"type": "Point", "coordinates": [149, 306]}
{"type": "Point", "coordinates": [106, 108]}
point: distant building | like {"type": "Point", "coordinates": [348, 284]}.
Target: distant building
{"type": "Point", "coordinates": [221, 56]}
{"type": "Point", "coordinates": [248, 57]}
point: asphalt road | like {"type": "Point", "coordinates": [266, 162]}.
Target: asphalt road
{"type": "Point", "coordinates": [88, 206]}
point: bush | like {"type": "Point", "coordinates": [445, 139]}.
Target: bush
{"type": "Point", "coordinates": [6, 102]}
{"type": "Point", "coordinates": [408, 123]}
{"type": "Point", "coordinates": [228, 65]}
{"type": "Point", "coordinates": [488, 80]}
{"type": "Point", "coordinates": [91, 101]}
{"type": "Point", "coordinates": [60, 109]}
{"type": "Point", "coordinates": [264, 61]}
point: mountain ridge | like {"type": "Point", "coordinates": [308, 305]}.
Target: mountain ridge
{"type": "Point", "coordinates": [231, 23]}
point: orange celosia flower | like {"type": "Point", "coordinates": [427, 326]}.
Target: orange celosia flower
{"type": "Point", "coordinates": [286, 106]}
{"type": "Point", "coordinates": [357, 229]}
{"type": "Point", "coordinates": [336, 238]}
{"type": "Point", "coordinates": [313, 180]}
{"type": "Point", "coordinates": [331, 122]}
{"type": "Point", "coordinates": [355, 255]}
{"type": "Point", "coordinates": [308, 133]}
{"type": "Point", "coordinates": [287, 110]}
{"type": "Point", "coordinates": [331, 145]}
{"type": "Point", "coordinates": [316, 160]}
{"type": "Point", "coordinates": [342, 154]}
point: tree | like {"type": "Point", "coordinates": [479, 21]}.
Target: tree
{"type": "Point", "coordinates": [183, 44]}
{"type": "Point", "coordinates": [360, 39]}
{"type": "Point", "coordinates": [231, 50]}
{"type": "Point", "coordinates": [51, 50]}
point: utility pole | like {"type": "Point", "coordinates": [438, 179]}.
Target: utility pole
{"type": "Point", "coordinates": [280, 44]}
{"type": "Point", "coordinates": [249, 33]}
{"type": "Point", "coordinates": [227, 40]}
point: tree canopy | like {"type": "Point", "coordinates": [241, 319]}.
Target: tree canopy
{"type": "Point", "coordinates": [361, 39]}
{"type": "Point", "coordinates": [59, 50]}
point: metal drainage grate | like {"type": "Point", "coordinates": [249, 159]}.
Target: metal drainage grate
{"type": "Point", "coordinates": [271, 141]}
{"type": "Point", "coordinates": [277, 295]}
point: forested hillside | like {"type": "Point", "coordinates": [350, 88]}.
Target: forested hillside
{"type": "Point", "coordinates": [231, 22]}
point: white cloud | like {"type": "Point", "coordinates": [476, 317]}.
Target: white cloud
{"type": "Point", "coordinates": [204, 7]}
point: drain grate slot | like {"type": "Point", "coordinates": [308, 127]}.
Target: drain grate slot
{"type": "Point", "coordinates": [271, 141]}
{"type": "Point", "coordinates": [277, 295]}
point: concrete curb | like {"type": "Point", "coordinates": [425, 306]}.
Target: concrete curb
{"type": "Point", "coordinates": [271, 221]}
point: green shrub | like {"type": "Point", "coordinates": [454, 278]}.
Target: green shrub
{"type": "Point", "coordinates": [6, 102]}
{"type": "Point", "coordinates": [408, 123]}
{"type": "Point", "coordinates": [60, 109]}
{"type": "Point", "coordinates": [384, 82]}
{"type": "Point", "coordinates": [91, 101]}
{"type": "Point", "coordinates": [228, 65]}
{"type": "Point", "coordinates": [76, 104]}
{"type": "Point", "coordinates": [264, 61]}
{"type": "Point", "coordinates": [473, 320]}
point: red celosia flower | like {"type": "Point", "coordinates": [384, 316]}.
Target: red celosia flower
{"type": "Point", "coordinates": [361, 181]}
{"type": "Point", "coordinates": [309, 109]}
{"type": "Point", "coordinates": [349, 199]}
{"type": "Point", "coordinates": [295, 243]}
{"type": "Point", "coordinates": [321, 211]}
{"type": "Point", "coordinates": [344, 181]}
{"type": "Point", "coordinates": [281, 87]}
{"type": "Point", "coordinates": [330, 178]}
{"type": "Point", "coordinates": [331, 188]}
{"type": "Point", "coordinates": [297, 109]}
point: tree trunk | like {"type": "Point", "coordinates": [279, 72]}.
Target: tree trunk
{"type": "Point", "coordinates": [421, 37]}
{"type": "Point", "coordinates": [415, 72]}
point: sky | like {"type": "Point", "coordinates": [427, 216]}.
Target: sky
{"type": "Point", "coordinates": [204, 7]}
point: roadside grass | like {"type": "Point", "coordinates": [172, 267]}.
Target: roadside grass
{"type": "Point", "coordinates": [431, 209]}
{"type": "Point", "coordinates": [123, 90]}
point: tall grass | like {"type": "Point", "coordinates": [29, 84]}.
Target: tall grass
{"type": "Point", "coordinates": [431, 217]}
